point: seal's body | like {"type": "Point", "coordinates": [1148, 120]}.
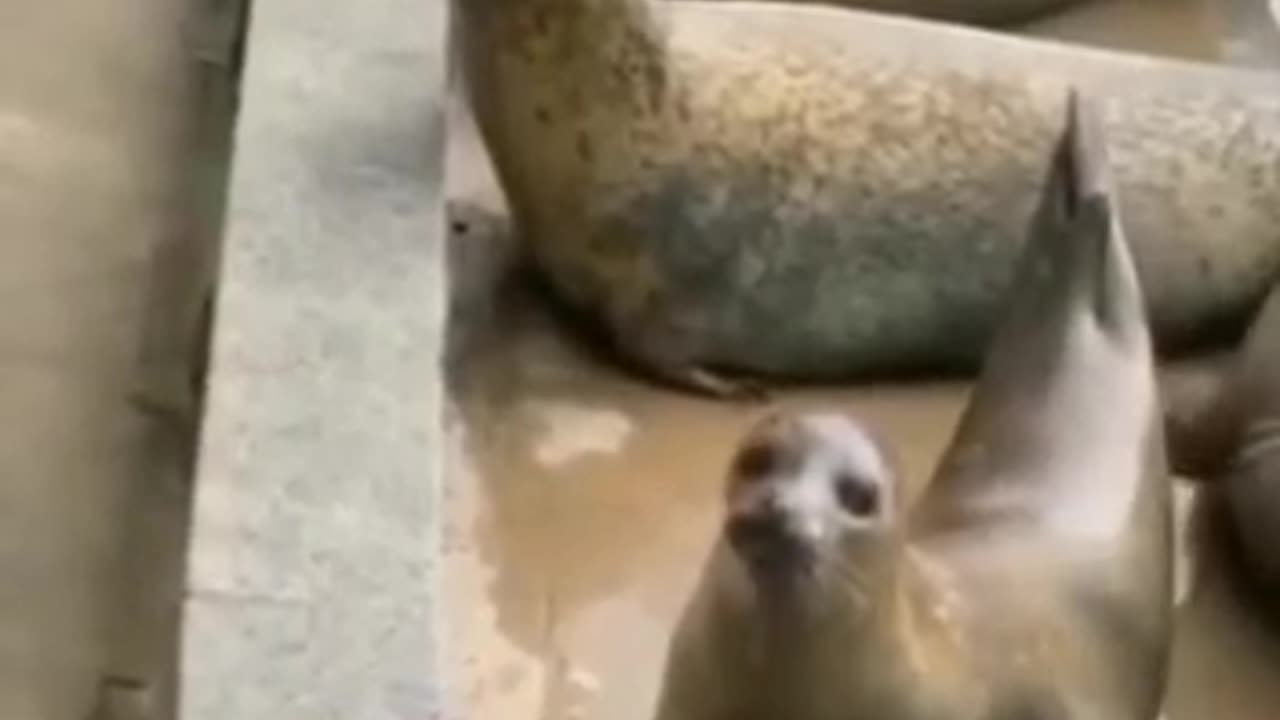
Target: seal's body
{"type": "Point", "coordinates": [1229, 435]}
{"type": "Point", "coordinates": [808, 192]}
{"type": "Point", "coordinates": [1033, 577]}
{"type": "Point", "coordinates": [984, 13]}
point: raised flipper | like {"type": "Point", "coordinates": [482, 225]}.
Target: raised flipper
{"type": "Point", "coordinates": [1066, 398]}
{"type": "Point", "coordinates": [1076, 231]}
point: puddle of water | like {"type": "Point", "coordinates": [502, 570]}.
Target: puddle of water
{"type": "Point", "coordinates": [595, 498]}
{"type": "Point", "coordinates": [581, 502]}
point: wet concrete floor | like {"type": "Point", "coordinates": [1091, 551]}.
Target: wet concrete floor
{"type": "Point", "coordinates": [581, 502]}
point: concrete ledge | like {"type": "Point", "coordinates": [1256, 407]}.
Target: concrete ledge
{"type": "Point", "coordinates": [310, 578]}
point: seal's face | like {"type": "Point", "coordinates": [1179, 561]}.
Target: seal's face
{"type": "Point", "coordinates": [805, 494]}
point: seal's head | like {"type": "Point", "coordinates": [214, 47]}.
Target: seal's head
{"type": "Point", "coordinates": [811, 499]}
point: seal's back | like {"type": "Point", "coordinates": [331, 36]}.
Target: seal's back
{"type": "Point", "coordinates": [1052, 501]}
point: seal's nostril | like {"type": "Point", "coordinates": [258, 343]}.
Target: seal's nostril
{"type": "Point", "coordinates": [756, 461]}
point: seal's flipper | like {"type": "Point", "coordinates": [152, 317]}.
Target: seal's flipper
{"type": "Point", "coordinates": [1076, 266]}
{"type": "Point", "coordinates": [1085, 245]}
{"type": "Point", "coordinates": [1066, 400]}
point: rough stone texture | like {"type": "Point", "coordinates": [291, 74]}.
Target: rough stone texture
{"type": "Point", "coordinates": [314, 533]}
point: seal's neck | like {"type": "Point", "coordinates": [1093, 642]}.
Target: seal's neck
{"type": "Point", "coordinates": [854, 626]}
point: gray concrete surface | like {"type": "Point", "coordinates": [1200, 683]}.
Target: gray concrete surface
{"type": "Point", "coordinates": [314, 538]}
{"type": "Point", "coordinates": [99, 119]}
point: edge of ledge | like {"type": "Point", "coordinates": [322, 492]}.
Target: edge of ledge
{"type": "Point", "coordinates": [310, 582]}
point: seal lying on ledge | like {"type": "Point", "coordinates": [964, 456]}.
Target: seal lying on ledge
{"type": "Point", "coordinates": [1032, 577]}
{"type": "Point", "coordinates": [813, 193]}
{"type": "Point", "coordinates": [988, 13]}
{"type": "Point", "coordinates": [1228, 435]}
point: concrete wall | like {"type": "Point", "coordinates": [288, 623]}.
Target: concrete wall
{"type": "Point", "coordinates": [102, 269]}
{"type": "Point", "coordinates": [313, 542]}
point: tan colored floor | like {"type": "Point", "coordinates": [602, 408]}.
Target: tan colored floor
{"type": "Point", "coordinates": [581, 502]}
{"type": "Point", "coordinates": [94, 130]}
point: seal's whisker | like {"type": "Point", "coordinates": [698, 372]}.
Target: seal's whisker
{"type": "Point", "coordinates": [852, 580]}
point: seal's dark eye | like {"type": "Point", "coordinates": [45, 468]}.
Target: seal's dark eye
{"type": "Point", "coordinates": [857, 496]}
{"type": "Point", "coordinates": [756, 461]}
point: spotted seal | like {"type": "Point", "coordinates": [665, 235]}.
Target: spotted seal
{"type": "Point", "coordinates": [1225, 432]}
{"type": "Point", "coordinates": [1007, 14]}
{"type": "Point", "coordinates": [1031, 579]}
{"type": "Point", "coordinates": [780, 192]}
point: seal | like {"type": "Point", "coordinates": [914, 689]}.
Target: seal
{"type": "Point", "coordinates": [1225, 432]}
{"type": "Point", "coordinates": [1032, 576]}
{"type": "Point", "coordinates": [807, 193]}
{"type": "Point", "coordinates": [983, 13]}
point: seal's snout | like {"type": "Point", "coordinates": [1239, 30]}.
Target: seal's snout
{"type": "Point", "coordinates": [769, 531]}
